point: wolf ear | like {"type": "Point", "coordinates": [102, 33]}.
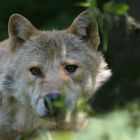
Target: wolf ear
{"type": "Point", "coordinates": [20, 28]}
{"type": "Point", "coordinates": [86, 27]}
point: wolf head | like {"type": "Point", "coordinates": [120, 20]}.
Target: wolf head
{"type": "Point", "coordinates": [47, 66]}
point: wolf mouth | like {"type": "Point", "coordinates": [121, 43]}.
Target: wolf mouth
{"type": "Point", "coordinates": [52, 106]}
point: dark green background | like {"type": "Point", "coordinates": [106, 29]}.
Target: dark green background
{"type": "Point", "coordinates": [44, 14]}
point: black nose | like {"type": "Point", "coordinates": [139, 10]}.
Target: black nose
{"type": "Point", "coordinates": [53, 96]}
{"type": "Point", "coordinates": [49, 100]}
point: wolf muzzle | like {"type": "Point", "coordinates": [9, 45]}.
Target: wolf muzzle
{"type": "Point", "coordinates": [53, 102]}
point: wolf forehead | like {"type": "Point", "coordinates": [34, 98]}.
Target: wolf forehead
{"type": "Point", "coordinates": [54, 44]}
{"type": "Point", "coordinates": [59, 39]}
{"type": "Point", "coordinates": [79, 41]}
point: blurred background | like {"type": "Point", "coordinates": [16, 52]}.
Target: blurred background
{"type": "Point", "coordinates": [120, 43]}
{"type": "Point", "coordinates": [44, 14]}
{"type": "Point", "coordinates": [48, 14]}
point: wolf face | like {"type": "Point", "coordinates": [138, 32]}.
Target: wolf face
{"type": "Point", "coordinates": [46, 67]}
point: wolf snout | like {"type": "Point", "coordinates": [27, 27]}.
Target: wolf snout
{"type": "Point", "coordinates": [51, 97]}
{"type": "Point", "coordinates": [52, 101]}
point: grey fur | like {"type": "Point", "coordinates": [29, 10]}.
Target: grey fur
{"type": "Point", "coordinates": [21, 93]}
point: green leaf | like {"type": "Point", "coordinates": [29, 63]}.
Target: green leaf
{"type": "Point", "coordinates": [119, 9]}
{"type": "Point", "coordinates": [88, 3]}
{"type": "Point", "coordinates": [80, 104]}
{"type": "Point", "coordinates": [58, 104]}
{"type": "Point", "coordinates": [84, 4]}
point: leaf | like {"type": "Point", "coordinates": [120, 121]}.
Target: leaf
{"type": "Point", "coordinates": [84, 4]}
{"type": "Point", "coordinates": [119, 9]}
{"type": "Point", "coordinates": [88, 3]}
{"type": "Point", "coordinates": [59, 104]}
{"type": "Point", "coordinates": [122, 9]}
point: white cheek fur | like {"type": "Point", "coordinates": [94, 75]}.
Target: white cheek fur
{"type": "Point", "coordinates": [40, 108]}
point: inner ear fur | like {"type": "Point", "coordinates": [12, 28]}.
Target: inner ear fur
{"type": "Point", "coordinates": [20, 28]}
{"type": "Point", "coordinates": [86, 27]}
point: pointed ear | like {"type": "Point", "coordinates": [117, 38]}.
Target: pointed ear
{"type": "Point", "coordinates": [20, 28]}
{"type": "Point", "coordinates": [86, 27]}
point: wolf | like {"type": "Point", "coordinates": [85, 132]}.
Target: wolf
{"type": "Point", "coordinates": [39, 69]}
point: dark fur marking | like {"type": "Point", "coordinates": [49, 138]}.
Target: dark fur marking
{"type": "Point", "coordinates": [8, 83]}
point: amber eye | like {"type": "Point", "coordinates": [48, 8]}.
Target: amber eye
{"type": "Point", "coordinates": [35, 71]}
{"type": "Point", "coordinates": [71, 68]}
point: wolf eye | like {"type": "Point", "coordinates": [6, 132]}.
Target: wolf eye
{"type": "Point", "coordinates": [71, 68]}
{"type": "Point", "coordinates": [35, 71]}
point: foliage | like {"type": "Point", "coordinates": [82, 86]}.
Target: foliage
{"type": "Point", "coordinates": [110, 6]}
{"type": "Point", "coordinates": [121, 124]}
{"type": "Point", "coordinates": [88, 3]}
{"type": "Point", "coordinates": [119, 9]}
{"type": "Point", "coordinates": [118, 125]}
{"type": "Point", "coordinates": [44, 14]}
{"type": "Point", "coordinates": [102, 15]}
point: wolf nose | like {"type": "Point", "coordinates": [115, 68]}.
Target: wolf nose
{"type": "Point", "coordinates": [53, 96]}
{"type": "Point", "coordinates": [50, 98]}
